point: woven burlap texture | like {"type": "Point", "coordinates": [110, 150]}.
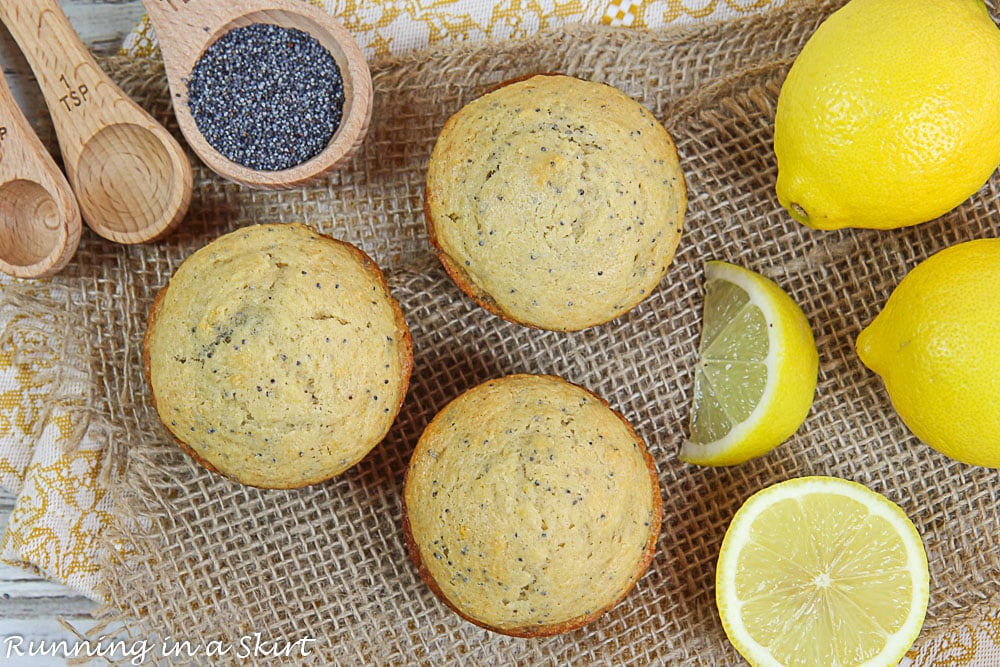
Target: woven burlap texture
{"type": "Point", "coordinates": [210, 560]}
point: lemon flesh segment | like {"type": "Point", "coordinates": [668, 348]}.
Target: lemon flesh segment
{"type": "Point", "coordinates": [821, 571]}
{"type": "Point", "coordinates": [756, 372]}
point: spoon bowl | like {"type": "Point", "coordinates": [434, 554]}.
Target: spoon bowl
{"type": "Point", "coordinates": [39, 218]}
{"type": "Point", "coordinates": [34, 236]}
{"type": "Point", "coordinates": [128, 178]}
{"type": "Point", "coordinates": [132, 179]}
{"type": "Point", "coordinates": [186, 30]}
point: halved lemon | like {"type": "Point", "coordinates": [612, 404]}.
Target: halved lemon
{"type": "Point", "coordinates": [821, 571]}
{"type": "Point", "coordinates": [756, 373]}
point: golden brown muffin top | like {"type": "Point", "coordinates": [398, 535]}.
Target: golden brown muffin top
{"type": "Point", "coordinates": [555, 202]}
{"type": "Point", "coordinates": [277, 356]}
{"type": "Point", "coordinates": [530, 506]}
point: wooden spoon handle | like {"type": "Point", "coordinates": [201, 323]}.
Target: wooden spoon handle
{"type": "Point", "coordinates": [184, 28]}
{"type": "Point", "coordinates": [22, 154]}
{"type": "Point", "coordinates": [81, 98]}
{"type": "Point", "coordinates": [39, 218]}
{"type": "Point", "coordinates": [131, 177]}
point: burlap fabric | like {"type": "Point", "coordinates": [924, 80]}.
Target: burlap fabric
{"type": "Point", "coordinates": [206, 559]}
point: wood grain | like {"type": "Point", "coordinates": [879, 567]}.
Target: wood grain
{"type": "Point", "coordinates": [30, 606]}
{"type": "Point", "coordinates": [131, 176]}
{"type": "Point", "coordinates": [39, 217]}
{"type": "Point", "coordinates": [186, 30]}
{"type": "Point", "coordinates": [102, 26]}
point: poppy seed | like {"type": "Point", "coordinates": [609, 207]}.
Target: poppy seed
{"type": "Point", "coordinates": [266, 97]}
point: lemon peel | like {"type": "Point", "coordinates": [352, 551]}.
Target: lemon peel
{"type": "Point", "coordinates": [890, 115]}
{"type": "Point", "coordinates": [756, 374]}
{"type": "Point", "coordinates": [935, 344]}
{"type": "Point", "coordinates": [821, 571]}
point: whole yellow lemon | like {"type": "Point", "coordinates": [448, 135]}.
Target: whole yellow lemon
{"type": "Point", "coordinates": [936, 345]}
{"type": "Point", "coordinates": [890, 115]}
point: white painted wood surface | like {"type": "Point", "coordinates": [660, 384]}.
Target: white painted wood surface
{"type": "Point", "coordinates": [30, 607]}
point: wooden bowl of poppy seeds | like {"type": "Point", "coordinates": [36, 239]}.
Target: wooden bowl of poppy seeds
{"type": "Point", "coordinates": [272, 94]}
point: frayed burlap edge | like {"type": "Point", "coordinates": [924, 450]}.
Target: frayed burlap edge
{"type": "Point", "coordinates": [703, 99]}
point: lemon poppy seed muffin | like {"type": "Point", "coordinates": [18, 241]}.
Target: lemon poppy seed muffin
{"type": "Point", "coordinates": [276, 356]}
{"type": "Point", "coordinates": [555, 202]}
{"type": "Point", "coordinates": [530, 507]}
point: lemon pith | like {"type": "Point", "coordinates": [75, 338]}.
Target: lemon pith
{"type": "Point", "coordinates": [757, 369]}
{"type": "Point", "coordinates": [821, 571]}
{"type": "Point", "coordinates": [890, 115]}
{"type": "Point", "coordinates": [935, 344]}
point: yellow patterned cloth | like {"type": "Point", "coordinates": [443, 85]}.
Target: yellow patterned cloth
{"type": "Point", "coordinates": [971, 645]}
{"type": "Point", "coordinates": [394, 27]}
{"type": "Point", "coordinates": [61, 508]}
{"type": "Point", "coordinates": [46, 460]}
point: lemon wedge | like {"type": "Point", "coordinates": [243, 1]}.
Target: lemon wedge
{"type": "Point", "coordinates": [756, 373]}
{"type": "Point", "coordinates": [821, 571]}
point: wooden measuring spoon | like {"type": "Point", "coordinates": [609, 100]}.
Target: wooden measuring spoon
{"type": "Point", "coordinates": [39, 218]}
{"type": "Point", "coordinates": [131, 177]}
{"type": "Point", "coordinates": [186, 28]}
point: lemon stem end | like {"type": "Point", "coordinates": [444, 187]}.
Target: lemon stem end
{"type": "Point", "coordinates": [799, 213]}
